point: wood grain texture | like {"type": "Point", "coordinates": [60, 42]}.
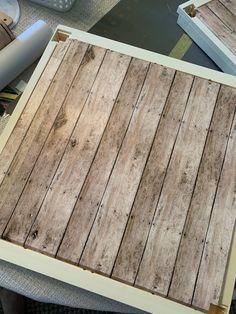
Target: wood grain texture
{"type": "Point", "coordinates": [95, 183]}
{"type": "Point", "coordinates": [158, 261]}
{"type": "Point", "coordinates": [125, 168]}
{"type": "Point", "coordinates": [219, 235]}
{"type": "Point", "coordinates": [105, 237]}
{"type": "Point", "coordinates": [15, 140]}
{"type": "Point", "coordinates": [29, 203]}
{"type": "Point", "coordinates": [194, 234]}
{"type": "Point", "coordinates": [227, 36]}
{"type": "Point", "coordinates": [226, 16]}
{"type": "Point", "coordinates": [34, 140]}
{"type": "Point", "coordinates": [230, 5]}
{"type": "Point", "coordinates": [134, 240]}
{"type": "Point", "coordinates": [68, 180]}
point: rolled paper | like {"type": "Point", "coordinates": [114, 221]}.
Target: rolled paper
{"type": "Point", "coordinates": [23, 51]}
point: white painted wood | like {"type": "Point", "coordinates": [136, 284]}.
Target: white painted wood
{"type": "Point", "coordinates": [197, 3]}
{"type": "Point", "coordinates": [230, 276]}
{"type": "Point", "coordinates": [85, 279]}
{"type": "Point", "coordinates": [180, 65]}
{"type": "Point", "coordinates": [205, 38]}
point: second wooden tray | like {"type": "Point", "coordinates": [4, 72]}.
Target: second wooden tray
{"type": "Point", "coordinates": [212, 25]}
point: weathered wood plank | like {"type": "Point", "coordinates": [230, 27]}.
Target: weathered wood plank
{"type": "Point", "coordinates": [161, 249]}
{"type": "Point", "coordinates": [34, 140]}
{"type": "Point", "coordinates": [227, 36]}
{"type": "Point", "coordinates": [134, 240]}
{"type": "Point", "coordinates": [31, 107]}
{"type": "Point", "coordinates": [194, 234]}
{"type": "Point", "coordinates": [95, 184]}
{"type": "Point", "coordinates": [228, 18]}
{"type": "Point", "coordinates": [230, 5]}
{"type": "Point", "coordinates": [69, 178]}
{"type": "Point", "coordinates": [52, 152]}
{"type": "Point", "coordinates": [105, 237]}
{"type": "Point", "coordinates": [222, 224]}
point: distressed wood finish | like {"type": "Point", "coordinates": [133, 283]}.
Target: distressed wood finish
{"type": "Point", "coordinates": [222, 224]}
{"type": "Point", "coordinates": [18, 134]}
{"type": "Point", "coordinates": [71, 173]}
{"type": "Point", "coordinates": [160, 253]}
{"type": "Point", "coordinates": [34, 140]}
{"type": "Point", "coordinates": [195, 229]}
{"type": "Point", "coordinates": [91, 195]}
{"type": "Point", "coordinates": [126, 168]}
{"type": "Point", "coordinates": [226, 16]}
{"type": "Point", "coordinates": [221, 21]}
{"type": "Point", "coordinates": [53, 150]}
{"type": "Point", "coordinates": [103, 243]}
{"type": "Point", "coordinates": [133, 244]}
{"type": "Point", "coordinates": [230, 5]}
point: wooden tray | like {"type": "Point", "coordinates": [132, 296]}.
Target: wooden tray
{"type": "Point", "coordinates": [212, 25]}
{"type": "Point", "coordinates": [118, 176]}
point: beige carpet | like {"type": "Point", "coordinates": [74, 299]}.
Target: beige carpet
{"type": "Point", "coordinates": [83, 15]}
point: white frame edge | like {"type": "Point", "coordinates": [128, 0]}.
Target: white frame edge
{"type": "Point", "coordinates": [206, 39]}
{"type": "Point", "coordinates": [72, 274]}
{"type": "Point", "coordinates": [92, 282]}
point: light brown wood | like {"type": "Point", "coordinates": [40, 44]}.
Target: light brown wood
{"type": "Point", "coordinates": [33, 141]}
{"type": "Point", "coordinates": [194, 233]}
{"type": "Point", "coordinates": [91, 194]}
{"type": "Point", "coordinates": [216, 309]}
{"type": "Point", "coordinates": [230, 5]}
{"type": "Point", "coordinates": [29, 202]}
{"type": "Point", "coordinates": [223, 32]}
{"type": "Point", "coordinates": [105, 237]}
{"type": "Point", "coordinates": [160, 253]}
{"type": "Point", "coordinates": [115, 166]}
{"type": "Point", "coordinates": [68, 180]}
{"type": "Point", "coordinates": [226, 16]}
{"type": "Point", "coordinates": [5, 18]}
{"type": "Point", "coordinates": [18, 134]}
{"type": "Point", "coordinates": [219, 235]}
{"type": "Point", "coordinates": [133, 243]}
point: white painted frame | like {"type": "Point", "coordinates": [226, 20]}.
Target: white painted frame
{"type": "Point", "coordinates": [206, 39]}
{"type": "Point", "coordinates": [74, 275]}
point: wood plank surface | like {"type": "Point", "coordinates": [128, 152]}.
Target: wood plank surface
{"type": "Point", "coordinates": [221, 31]}
{"type": "Point", "coordinates": [230, 5]}
{"type": "Point", "coordinates": [222, 224]}
{"type": "Point", "coordinates": [53, 150]}
{"type": "Point", "coordinates": [127, 168]}
{"type": "Point", "coordinates": [226, 16]}
{"type": "Point", "coordinates": [90, 197]}
{"type": "Point", "coordinates": [134, 240]}
{"type": "Point", "coordinates": [194, 234]}
{"type": "Point", "coordinates": [34, 140]}
{"type": "Point", "coordinates": [159, 257]}
{"type": "Point", "coordinates": [31, 107]}
{"type": "Point", "coordinates": [68, 180]}
{"type": "Point", "coordinates": [105, 237]}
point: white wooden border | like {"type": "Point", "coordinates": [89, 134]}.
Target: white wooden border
{"type": "Point", "coordinates": [90, 281]}
{"type": "Point", "coordinates": [206, 39]}
{"type": "Point", "coordinates": [72, 274]}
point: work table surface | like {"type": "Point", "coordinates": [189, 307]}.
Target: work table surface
{"type": "Point", "coordinates": [126, 168]}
